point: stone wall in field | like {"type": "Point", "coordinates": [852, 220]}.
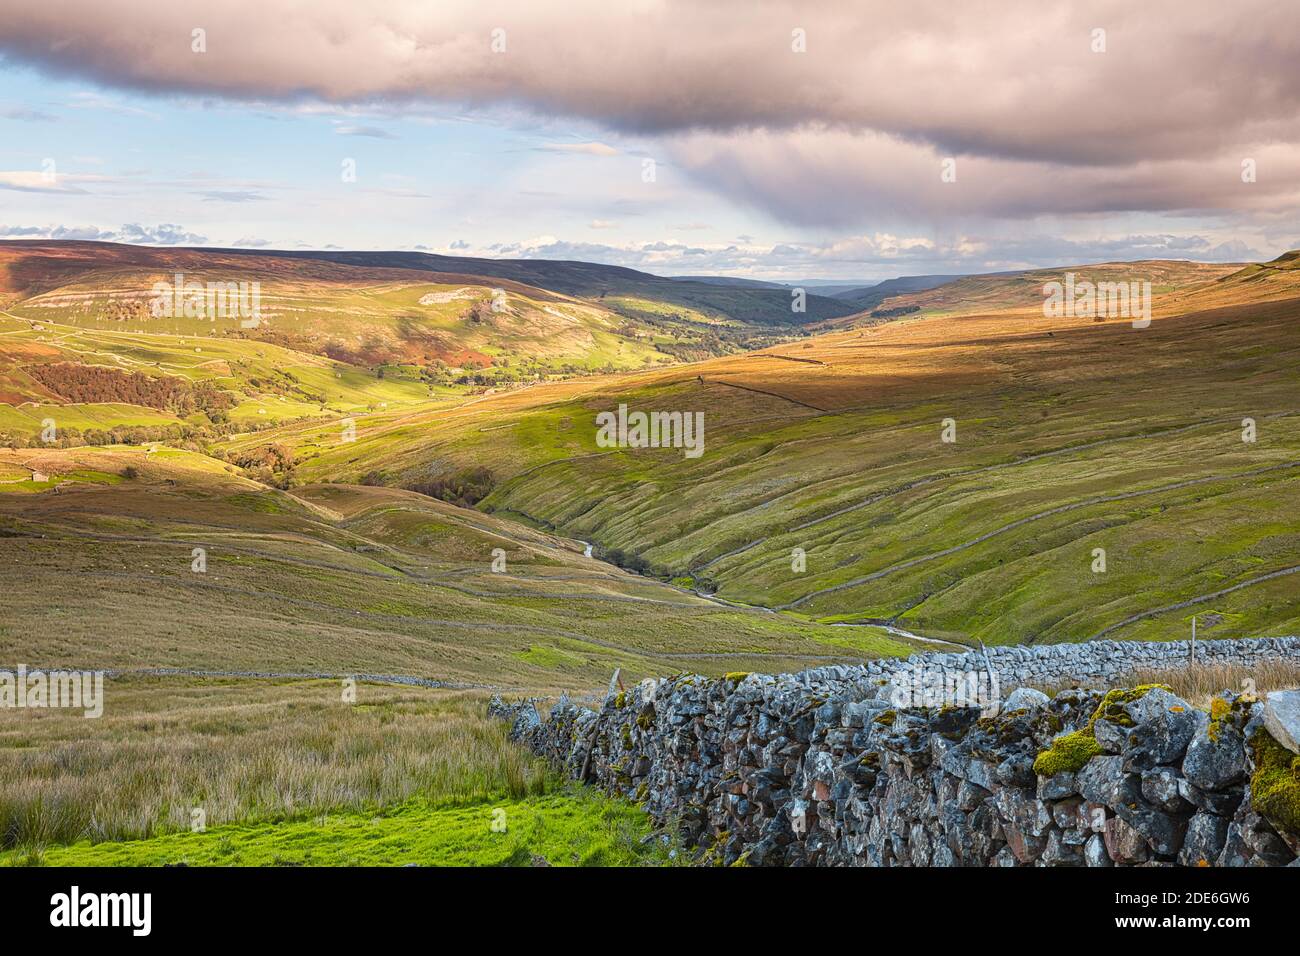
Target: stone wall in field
{"type": "Point", "coordinates": [855, 766]}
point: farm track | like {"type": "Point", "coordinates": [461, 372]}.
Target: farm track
{"type": "Point", "coordinates": [1199, 599]}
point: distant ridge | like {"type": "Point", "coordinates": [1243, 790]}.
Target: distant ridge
{"type": "Point", "coordinates": [753, 304]}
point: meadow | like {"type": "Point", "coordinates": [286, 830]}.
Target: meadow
{"type": "Point", "coordinates": [246, 773]}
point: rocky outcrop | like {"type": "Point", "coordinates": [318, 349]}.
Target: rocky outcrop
{"type": "Point", "coordinates": [826, 768]}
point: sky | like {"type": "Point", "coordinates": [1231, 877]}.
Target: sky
{"type": "Point", "coordinates": [767, 139]}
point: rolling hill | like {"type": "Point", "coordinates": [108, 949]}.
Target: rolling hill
{"type": "Point", "coordinates": [621, 289]}
{"type": "Point", "coordinates": [339, 579]}
{"type": "Point", "coordinates": [1071, 435]}
{"type": "Point", "coordinates": [1002, 290]}
{"type": "Point", "coordinates": [826, 493]}
{"type": "Point", "coordinates": [331, 334]}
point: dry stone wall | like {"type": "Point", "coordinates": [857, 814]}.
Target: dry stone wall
{"type": "Point", "coordinates": [825, 767]}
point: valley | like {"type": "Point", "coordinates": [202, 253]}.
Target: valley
{"type": "Point", "coordinates": [1069, 435]}
{"type": "Point", "coordinates": [249, 519]}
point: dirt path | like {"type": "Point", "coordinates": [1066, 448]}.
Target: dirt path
{"type": "Point", "coordinates": [1199, 599]}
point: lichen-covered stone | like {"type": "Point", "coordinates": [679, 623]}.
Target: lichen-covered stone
{"type": "Point", "coordinates": [1215, 760]}
{"type": "Point", "coordinates": [813, 769]}
{"type": "Point", "coordinates": [1206, 836]}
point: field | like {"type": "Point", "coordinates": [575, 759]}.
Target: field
{"type": "Point", "coordinates": [237, 773]}
{"type": "Point", "coordinates": [320, 500]}
{"type": "Point", "coordinates": [343, 579]}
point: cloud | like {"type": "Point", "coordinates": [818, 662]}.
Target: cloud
{"type": "Point", "coordinates": [251, 242]}
{"type": "Point", "coordinates": [165, 234]}
{"type": "Point", "coordinates": [24, 115]}
{"type": "Point", "coordinates": [1018, 79]}
{"type": "Point", "coordinates": [586, 149]}
{"type": "Point", "coordinates": [832, 176]}
{"type": "Point", "coordinates": [231, 195]}
{"type": "Point", "coordinates": [601, 224]}
{"type": "Point", "coordinates": [34, 181]}
{"type": "Point", "coordinates": [54, 232]}
{"type": "Point", "coordinates": [1037, 120]}
{"type": "Point", "coordinates": [374, 132]}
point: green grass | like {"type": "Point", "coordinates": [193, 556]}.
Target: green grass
{"type": "Point", "coordinates": [289, 772]}
{"type": "Point", "coordinates": [347, 579]}
{"type": "Point", "coordinates": [575, 827]}
{"type": "Point", "coordinates": [871, 495]}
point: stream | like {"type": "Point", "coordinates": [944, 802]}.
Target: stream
{"type": "Point", "coordinates": [883, 625]}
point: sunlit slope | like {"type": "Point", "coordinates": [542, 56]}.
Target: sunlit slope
{"type": "Point", "coordinates": [97, 568]}
{"type": "Point", "coordinates": [1004, 290]}
{"type": "Point", "coordinates": [265, 382]}
{"type": "Point", "coordinates": [358, 315]}
{"type": "Point", "coordinates": [1071, 435]}
{"type": "Point", "coordinates": [627, 290]}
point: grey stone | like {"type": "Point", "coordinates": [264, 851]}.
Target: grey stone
{"type": "Point", "coordinates": [1060, 853]}
{"type": "Point", "coordinates": [1161, 788]}
{"type": "Point", "coordinates": [1162, 736]}
{"type": "Point", "coordinates": [1215, 760]}
{"type": "Point", "coordinates": [1058, 786]}
{"type": "Point", "coordinates": [1017, 771]}
{"type": "Point", "coordinates": [1282, 718]}
{"type": "Point", "coordinates": [1206, 837]}
{"type": "Point", "coordinates": [1094, 852]}
{"type": "Point", "coordinates": [1104, 780]}
{"type": "Point", "coordinates": [978, 771]}
{"type": "Point", "coordinates": [1025, 698]}
{"type": "Point", "coordinates": [1111, 737]}
{"type": "Point", "coordinates": [1163, 832]}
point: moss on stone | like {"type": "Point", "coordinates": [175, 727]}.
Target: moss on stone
{"type": "Point", "coordinates": [1223, 710]}
{"type": "Point", "coordinates": [1275, 784]}
{"type": "Point", "coordinates": [1112, 705]}
{"type": "Point", "coordinates": [1068, 753]}
{"type": "Point", "coordinates": [736, 676]}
